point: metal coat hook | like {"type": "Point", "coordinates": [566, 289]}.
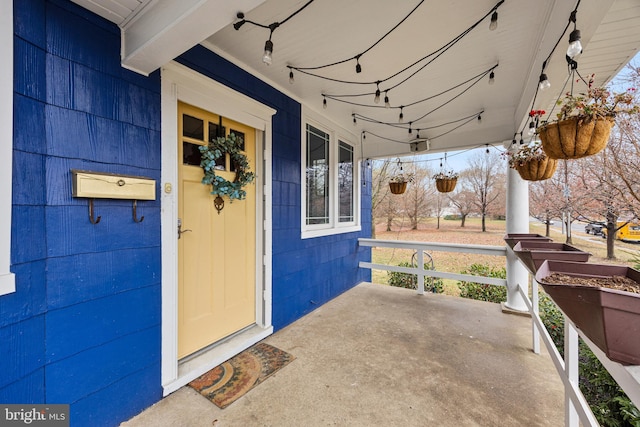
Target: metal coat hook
{"type": "Point", "coordinates": [91, 217]}
{"type": "Point", "coordinates": [135, 212]}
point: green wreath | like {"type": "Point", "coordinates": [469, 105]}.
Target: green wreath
{"type": "Point", "coordinates": [220, 186]}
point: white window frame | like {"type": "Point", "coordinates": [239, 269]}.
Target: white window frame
{"type": "Point", "coordinates": [7, 279]}
{"type": "Point", "coordinates": [336, 133]}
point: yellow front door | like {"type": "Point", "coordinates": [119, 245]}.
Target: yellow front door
{"type": "Point", "coordinates": [216, 251]}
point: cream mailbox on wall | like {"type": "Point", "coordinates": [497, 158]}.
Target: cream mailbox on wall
{"type": "Point", "coordinates": [111, 186]}
{"type": "Point", "coordinates": [95, 185]}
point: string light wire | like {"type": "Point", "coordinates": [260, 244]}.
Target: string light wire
{"type": "Point", "coordinates": [437, 52]}
{"type": "Point", "coordinates": [358, 56]}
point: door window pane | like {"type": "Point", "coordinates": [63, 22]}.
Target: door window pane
{"type": "Point", "coordinates": [345, 182]}
{"type": "Point", "coordinates": [190, 154]}
{"type": "Point", "coordinates": [317, 176]}
{"type": "Point", "coordinates": [192, 127]}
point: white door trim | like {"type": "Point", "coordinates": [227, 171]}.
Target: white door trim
{"type": "Point", "coordinates": [180, 83]}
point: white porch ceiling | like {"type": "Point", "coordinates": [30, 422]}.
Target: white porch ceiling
{"type": "Point", "coordinates": [331, 30]}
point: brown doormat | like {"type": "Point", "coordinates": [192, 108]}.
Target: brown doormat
{"type": "Point", "coordinates": [229, 381]}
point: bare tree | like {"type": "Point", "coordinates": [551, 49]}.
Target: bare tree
{"type": "Point", "coordinates": [380, 194]}
{"type": "Point", "coordinates": [483, 178]}
{"type": "Point", "coordinates": [419, 195]}
{"type": "Point", "coordinates": [462, 199]}
{"type": "Point", "coordinates": [604, 197]}
{"type": "Point", "coordinates": [546, 200]}
{"type": "Point", "coordinates": [611, 179]}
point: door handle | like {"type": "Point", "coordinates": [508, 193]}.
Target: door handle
{"type": "Point", "coordinates": [180, 230]}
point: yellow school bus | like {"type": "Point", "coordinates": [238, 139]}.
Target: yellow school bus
{"type": "Point", "coordinates": [629, 232]}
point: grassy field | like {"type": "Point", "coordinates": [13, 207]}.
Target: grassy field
{"type": "Point", "coordinates": [451, 232]}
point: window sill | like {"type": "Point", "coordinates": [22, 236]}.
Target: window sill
{"type": "Point", "coordinates": [308, 234]}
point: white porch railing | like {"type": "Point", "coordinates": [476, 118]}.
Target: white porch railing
{"type": "Point", "coordinates": [420, 247]}
{"type": "Point", "coordinates": [577, 409]}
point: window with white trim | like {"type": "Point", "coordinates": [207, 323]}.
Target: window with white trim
{"type": "Point", "coordinates": [330, 181]}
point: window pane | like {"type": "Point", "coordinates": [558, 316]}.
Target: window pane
{"type": "Point", "coordinates": [345, 182]}
{"type": "Point", "coordinates": [317, 176]}
{"type": "Point", "coordinates": [190, 154]}
{"type": "Point", "coordinates": [192, 127]}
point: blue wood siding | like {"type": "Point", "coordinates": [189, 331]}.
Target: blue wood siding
{"type": "Point", "coordinates": [83, 326]}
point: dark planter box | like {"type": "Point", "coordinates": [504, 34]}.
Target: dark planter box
{"type": "Point", "coordinates": [608, 317]}
{"type": "Point", "coordinates": [533, 253]}
{"type": "Point", "coordinates": [514, 238]}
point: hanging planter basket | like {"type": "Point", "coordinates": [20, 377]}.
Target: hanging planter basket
{"type": "Point", "coordinates": [575, 137]}
{"type": "Point", "coordinates": [537, 170]}
{"type": "Point", "coordinates": [446, 185]}
{"type": "Point", "coordinates": [398, 187]}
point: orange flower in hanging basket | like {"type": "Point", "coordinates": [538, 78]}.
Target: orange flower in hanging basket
{"type": "Point", "coordinates": [537, 170]}
{"type": "Point", "coordinates": [398, 187]}
{"type": "Point", "coordinates": [575, 137]}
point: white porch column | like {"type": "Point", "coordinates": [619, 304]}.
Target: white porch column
{"type": "Point", "coordinates": [517, 222]}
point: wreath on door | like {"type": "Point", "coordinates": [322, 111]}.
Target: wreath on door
{"type": "Point", "coordinates": [220, 186]}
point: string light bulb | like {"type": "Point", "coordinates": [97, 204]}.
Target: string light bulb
{"type": "Point", "coordinates": [358, 66]}
{"type": "Point", "coordinates": [479, 118]}
{"type": "Point", "coordinates": [487, 150]}
{"type": "Point", "coordinates": [291, 79]}
{"type": "Point", "coordinates": [364, 135]}
{"type": "Point", "coordinates": [494, 21]}
{"type": "Point", "coordinates": [376, 99]}
{"type": "Point", "coordinates": [355, 122]}
{"type": "Point", "coordinates": [521, 140]}
{"type": "Point", "coordinates": [401, 116]}
{"type": "Point", "coordinates": [544, 82]}
{"type": "Point", "coordinates": [575, 46]}
{"type": "Point", "coordinates": [410, 128]}
{"type": "Point", "coordinates": [492, 78]}
{"type": "Point", "coordinates": [532, 128]}
{"type": "Point", "coordinates": [268, 51]}
{"type": "Point", "coordinates": [324, 103]}
{"type": "Point", "coordinates": [387, 104]}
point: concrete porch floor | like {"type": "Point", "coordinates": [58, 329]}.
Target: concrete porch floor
{"type": "Point", "coordinates": [378, 355]}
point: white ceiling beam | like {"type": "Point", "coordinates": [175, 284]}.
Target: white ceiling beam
{"type": "Point", "coordinates": [163, 30]}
